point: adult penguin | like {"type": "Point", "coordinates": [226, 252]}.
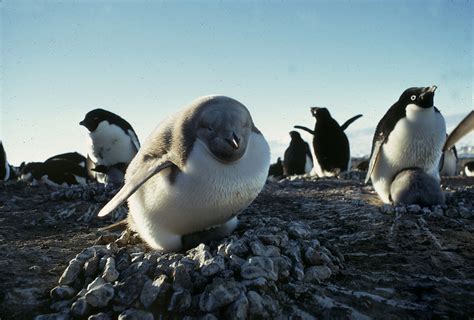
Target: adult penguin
{"type": "Point", "coordinates": [330, 143]}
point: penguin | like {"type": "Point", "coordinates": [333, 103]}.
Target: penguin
{"type": "Point", "coordinates": [330, 143]}
{"type": "Point", "coordinates": [415, 186]}
{"type": "Point", "coordinates": [74, 157]}
{"type": "Point", "coordinates": [54, 172]}
{"type": "Point", "coordinates": [410, 135]}
{"type": "Point", "coordinates": [469, 169]}
{"type": "Point", "coordinates": [297, 158]}
{"type": "Point", "coordinates": [276, 169]}
{"type": "Point", "coordinates": [113, 140]}
{"type": "Point", "coordinates": [4, 166]}
{"type": "Point", "coordinates": [195, 173]}
{"type": "Point", "coordinates": [449, 162]}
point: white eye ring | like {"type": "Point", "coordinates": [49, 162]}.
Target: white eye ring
{"type": "Point", "coordinates": [413, 98]}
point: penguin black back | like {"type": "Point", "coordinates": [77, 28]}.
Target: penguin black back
{"type": "Point", "coordinates": [296, 155]}
{"type": "Point", "coordinates": [4, 167]}
{"type": "Point", "coordinates": [330, 143]}
{"type": "Point", "coordinates": [94, 117]}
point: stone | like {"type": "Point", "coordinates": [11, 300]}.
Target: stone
{"type": "Point", "coordinates": [256, 267]}
{"type": "Point", "coordinates": [127, 291]}
{"type": "Point", "coordinates": [53, 316]}
{"type": "Point", "coordinates": [218, 294]}
{"type": "Point", "coordinates": [62, 292]}
{"type": "Point", "coordinates": [180, 300]}
{"type": "Point", "coordinates": [72, 271]}
{"type": "Point", "coordinates": [100, 316]}
{"type": "Point", "coordinates": [238, 309]}
{"type": "Point", "coordinates": [80, 308]}
{"type": "Point", "coordinates": [100, 296]}
{"type": "Point", "coordinates": [110, 274]}
{"type": "Point", "coordinates": [134, 314]}
{"type": "Point", "coordinates": [151, 289]}
{"type": "Point", "coordinates": [317, 274]}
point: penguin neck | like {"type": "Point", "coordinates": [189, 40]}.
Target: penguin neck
{"type": "Point", "coordinates": [417, 114]}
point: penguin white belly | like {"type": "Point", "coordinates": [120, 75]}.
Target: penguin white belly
{"type": "Point", "coordinates": [415, 141]}
{"type": "Point", "coordinates": [206, 193]}
{"type": "Point", "coordinates": [111, 145]}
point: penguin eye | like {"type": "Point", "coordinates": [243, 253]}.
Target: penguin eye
{"type": "Point", "coordinates": [209, 129]}
{"type": "Point", "coordinates": [413, 98]}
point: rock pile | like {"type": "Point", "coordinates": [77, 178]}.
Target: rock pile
{"type": "Point", "coordinates": [257, 272]}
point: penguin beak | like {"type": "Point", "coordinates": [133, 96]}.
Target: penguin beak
{"type": "Point", "coordinates": [234, 141]}
{"type": "Point", "coordinates": [429, 91]}
{"type": "Point", "coordinates": [82, 123]}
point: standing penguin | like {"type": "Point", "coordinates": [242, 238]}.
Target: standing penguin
{"type": "Point", "coordinates": [276, 169]}
{"type": "Point", "coordinates": [113, 141]}
{"type": "Point", "coordinates": [4, 166]}
{"type": "Point", "coordinates": [297, 158]}
{"type": "Point", "coordinates": [195, 173]}
{"type": "Point", "coordinates": [410, 135]}
{"type": "Point", "coordinates": [449, 162]}
{"type": "Point", "coordinates": [330, 143]}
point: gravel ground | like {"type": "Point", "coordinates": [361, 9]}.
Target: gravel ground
{"type": "Point", "coordinates": [306, 248]}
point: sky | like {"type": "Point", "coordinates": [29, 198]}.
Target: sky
{"type": "Point", "coordinates": [145, 60]}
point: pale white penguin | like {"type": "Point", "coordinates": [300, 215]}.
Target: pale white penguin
{"type": "Point", "coordinates": [196, 171]}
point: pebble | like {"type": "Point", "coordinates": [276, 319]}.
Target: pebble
{"type": "Point", "coordinates": [218, 294]}
{"type": "Point", "coordinates": [62, 293]}
{"type": "Point", "coordinates": [256, 267]}
{"type": "Point", "coordinates": [110, 273]}
{"type": "Point", "coordinates": [100, 296]}
{"type": "Point", "coordinates": [134, 314]}
{"type": "Point", "coordinates": [317, 274]}
{"type": "Point", "coordinates": [72, 272]}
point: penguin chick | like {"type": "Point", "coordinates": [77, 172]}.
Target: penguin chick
{"type": "Point", "coordinates": [415, 186]}
{"type": "Point", "coordinates": [410, 135]}
{"type": "Point", "coordinates": [196, 171]}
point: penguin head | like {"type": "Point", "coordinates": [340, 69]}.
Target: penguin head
{"type": "Point", "coordinates": [320, 113]}
{"type": "Point", "coordinates": [95, 117]}
{"type": "Point", "coordinates": [225, 129]}
{"type": "Point", "coordinates": [421, 97]}
{"type": "Point", "coordinates": [295, 135]}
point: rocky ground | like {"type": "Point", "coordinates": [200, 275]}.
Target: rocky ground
{"type": "Point", "coordinates": [306, 248]}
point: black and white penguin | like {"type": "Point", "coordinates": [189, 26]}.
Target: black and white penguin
{"type": "Point", "coordinates": [73, 157]}
{"type": "Point", "coordinates": [4, 166]}
{"type": "Point", "coordinates": [56, 173]}
{"type": "Point", "coordinates": [330, 143]}
{"type": "Point", "coordinates": [410, 135]}
{"type": "Point", "coordinates": [276, 169]}
{"type": "Point", "coordinates": [113, 140]}
{"type": "Point", "coordinates": [449, 162]}
{"type": "Point", "coordinates": [415, 186]}
{"type": "Point", "coordinates": [469, 169]}
{"type": "Point", "coordinates": [195, 173]}
{"type": "Point", "coordinates": [297, 158]}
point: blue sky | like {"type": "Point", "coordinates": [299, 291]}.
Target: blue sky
{"type": "Point", "coordinates": [146, 59]}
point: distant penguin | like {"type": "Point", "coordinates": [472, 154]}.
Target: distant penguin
{"type": "Point", "coordinates": [56, 173]}
{"type": "Point", "coordinates": [410, 135]}
{"type": "Point", "coordinates": [113, 139]}
{"type": "Point", "coordinates": [297, 158]}
{"type": "Point", "coordinates": [276, 169]}
{"type": "Point", "coordinates": [415, 186]}
{"type": "Point", "coordinates": [330, 143]}
{"type": "Point", "coordinates": [73, 157]}
{"type": "Point", "coordinates": [4, 166]}
{"type": "Point", "coordinates": [449, 162]}
{"type": "Point", "coordinates": [195, 173]}
{"type": "Point", "coordinates": [469, 169]}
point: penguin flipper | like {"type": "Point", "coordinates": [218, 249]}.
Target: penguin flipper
{"type": "Point", "coordinates": [304, 128]}
{"type": "Point", "coordinates": [373, 159]}
{"type": "Point", "coordinates": [462, 129]}
{"type": "Point", "coordinates": [348, 122]}
{"type": "Point", "coordinates": [151, 167]}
